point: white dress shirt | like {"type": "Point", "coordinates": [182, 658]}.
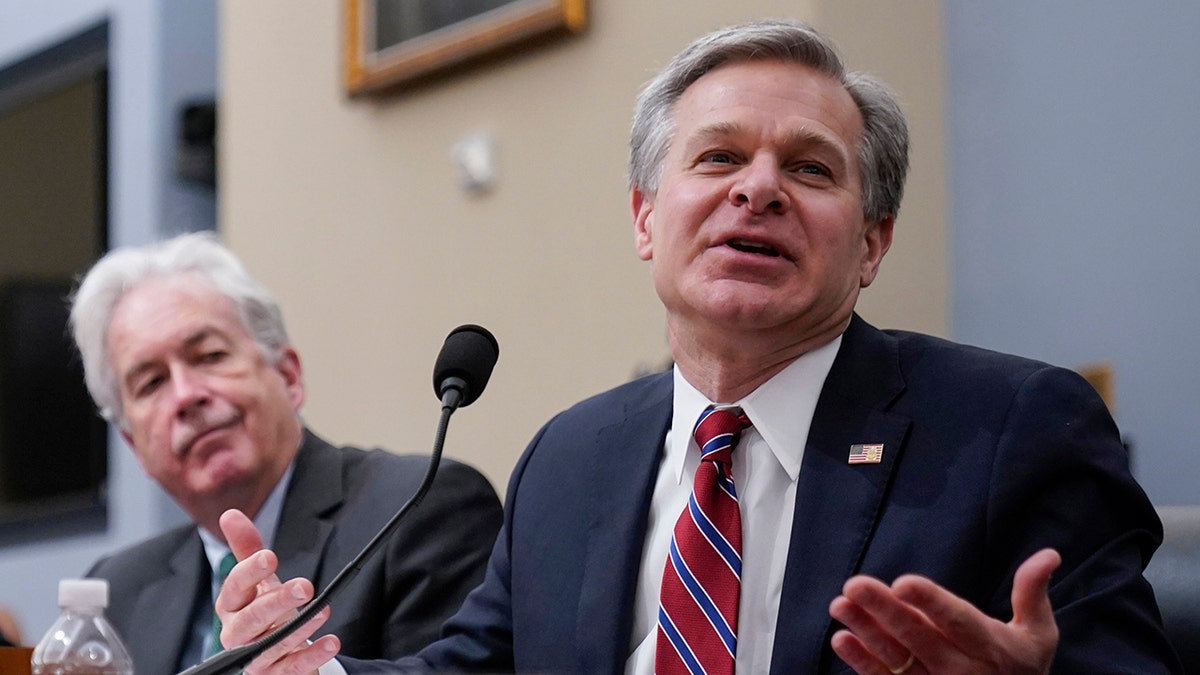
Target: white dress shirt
{"type": "Point", "coordinates": [766, 464]}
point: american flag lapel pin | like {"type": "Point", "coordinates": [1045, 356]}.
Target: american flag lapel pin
{"type": "Point", "coordinates": [871, 453]}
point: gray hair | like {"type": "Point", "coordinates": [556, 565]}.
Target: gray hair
{"type": "Point", "coordinates": [121, 270]}
{"type": "Point", "coordinates": [882, 152]}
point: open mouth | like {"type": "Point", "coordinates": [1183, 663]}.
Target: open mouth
{"type": "Point", "coordinates": [746, 246]}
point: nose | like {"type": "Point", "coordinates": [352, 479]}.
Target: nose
{"type": "Point", "coordinates": [191, 394]}
{"type": "Point", "coordinates": [759, 187]}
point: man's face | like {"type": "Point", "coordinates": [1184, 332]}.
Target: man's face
{"type": "Point", "coordinates": [758, 222]}
{"type": "Point", "coordinates": [207, 416]}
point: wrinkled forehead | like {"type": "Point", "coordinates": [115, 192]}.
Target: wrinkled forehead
{"type": "Point", "coordinates": [800, 102]}
{"type": "Point", "coordinates": [164, 311]}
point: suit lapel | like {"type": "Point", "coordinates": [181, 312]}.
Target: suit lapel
{"type": "Point", "coordinates": [315, 493]}
{"type": "Point", "coordinates": [837, 503]}
{"type": "Point", "coordinates": [166, 608]}
{"type": "Point", "coordinates": [619, 503]}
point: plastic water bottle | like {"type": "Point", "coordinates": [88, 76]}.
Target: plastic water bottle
{"type": "Point", "coordinates": [82, 641]}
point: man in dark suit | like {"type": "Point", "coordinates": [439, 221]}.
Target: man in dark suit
{"type": "Point", "coordinates": [188, 355]}
{"type": "Point", "coordinates": [902, 504]}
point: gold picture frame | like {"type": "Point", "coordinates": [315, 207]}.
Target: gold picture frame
{"type": "Point", "coordinates": [391, 43]}
{"type": "Point", "coordinates": [1100, 375]}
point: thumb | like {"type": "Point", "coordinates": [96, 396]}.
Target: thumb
{"type": "Point", "coordinates": [1030, 593]}
{"type": "Point", "coordinates": [241, 535]}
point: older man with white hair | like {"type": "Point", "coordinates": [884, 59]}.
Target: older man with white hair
{"type": "Point", "coordinates": [188, 356]}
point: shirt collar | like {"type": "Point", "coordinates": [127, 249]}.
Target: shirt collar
{"type": "Point", "coordinates": [781, 410]}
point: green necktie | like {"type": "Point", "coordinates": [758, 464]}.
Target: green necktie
{"type": "Point", "coordinates": [227, 564]}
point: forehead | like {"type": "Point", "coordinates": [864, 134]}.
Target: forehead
{"type": "Point", "coordinates": [770, 96]}
{"type": "Point", "coordinates": [165, 313]}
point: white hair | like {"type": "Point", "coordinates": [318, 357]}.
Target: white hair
{"type": "Point", "coordinates": [121, 270]}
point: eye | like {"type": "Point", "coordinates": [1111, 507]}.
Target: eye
{"type": "Point", "coordinates": [717, 157]}
{"type": "Point", "coordinates": [812, 169]}
{"type": "Point", "coordinates": [213, 356]}
{"type": "Point", "coordinates": [148, 385]}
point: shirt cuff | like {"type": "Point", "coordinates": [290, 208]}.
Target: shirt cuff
{"type": "Point", "coordinates": [331, 667]}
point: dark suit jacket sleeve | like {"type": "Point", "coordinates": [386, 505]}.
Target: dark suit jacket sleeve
{"type": "Point", "coordinates": [1005, 457]}
{"type": "Point", "coordinates": [438, 556]}
{"type": "Point", "coordinates": [1062, 478]}
{"type": "Point", "coordinates": [1002, 457]}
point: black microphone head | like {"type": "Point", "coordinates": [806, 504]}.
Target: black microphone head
{"type": "Point", "coordinates": [465, 362]}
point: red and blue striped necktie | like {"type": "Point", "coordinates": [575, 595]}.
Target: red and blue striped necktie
{"type": "Point", "coordinates": [698, 604]}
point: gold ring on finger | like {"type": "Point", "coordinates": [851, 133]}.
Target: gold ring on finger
{"type": "Point", "coordinates": [904, 668]}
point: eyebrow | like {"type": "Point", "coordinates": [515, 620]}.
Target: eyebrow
{"type": "Point", "coordinates": [804, 137]}
{"type": "Point", "coordinates": [195, 338]}
{"type": "Point", "coordinates": [199, 335]}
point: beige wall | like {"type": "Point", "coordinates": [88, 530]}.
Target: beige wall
{"type": "Point", "coordinates": [352, 212]}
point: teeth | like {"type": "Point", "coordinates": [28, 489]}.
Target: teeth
{"type": "Point", "coordinates": [753, 247]}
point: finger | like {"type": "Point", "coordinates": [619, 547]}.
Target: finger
{"type": "Point", "coordinates": [867, 631]}
{"type": "Point", "coordinates": [856, 655]}
{"type": "Point", "coordinates": [297, 640]}
{"type": "Point", "coordinates": [267, 611]}
{"type": "Point", "coordinates": [851, 650]}
{"type": "Point", "coordinates": [244, 584]}
{"type": "Point", "coordinates": [968, 628]}
{"type": "Point", "coordinates": [300, 662]}
{"type": "Point", "coordinates": [908, 625]}
{"type": "Point", "coordinates": [241, 535]}
{"type": "Point", "coordinates": [246, 581]}
{"type": "Point", "coordinates": [959, 621]}
{"type": "Point", "coordinates": [1030, 595]}
{"type": "Point", "coordinates": [904, 622]}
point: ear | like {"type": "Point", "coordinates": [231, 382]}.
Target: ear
{"type": "Point", "coordinates": [293, 376]}
{"type": "Point", "coordinates": [876, 241]}
{"type": "Point", "coordinates": [643, 207]}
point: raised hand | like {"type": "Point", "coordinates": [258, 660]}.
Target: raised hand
{"type": "Point", "coordinates": [253, 602]}
{"type": "Point", "coordinates": [917, 627]}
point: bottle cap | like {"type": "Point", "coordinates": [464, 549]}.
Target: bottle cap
{"type": "Point", "coordinates": [83, 593]}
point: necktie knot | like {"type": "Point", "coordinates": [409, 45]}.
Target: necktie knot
{"type": "Point", "coordinates": [717, 432]}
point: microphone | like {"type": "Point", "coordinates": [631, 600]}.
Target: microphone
{"type": "Point", "coordinates": [460, 373]}
{"type": "Point", "coordinates": [464, 365]}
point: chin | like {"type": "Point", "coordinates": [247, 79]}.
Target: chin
{"type": "Point", "coordinates": [221, 473]}
{"type": "Point", "coordinates": [754, 309]}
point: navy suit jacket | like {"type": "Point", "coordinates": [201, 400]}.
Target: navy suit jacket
{"type": "Point", "coordinates": [987, 458]}
{"type": "Point", "coordinates": [338, 499]}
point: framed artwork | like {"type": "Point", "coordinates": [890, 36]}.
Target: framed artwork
{"type": "Point", "coordinates": [390, 43]}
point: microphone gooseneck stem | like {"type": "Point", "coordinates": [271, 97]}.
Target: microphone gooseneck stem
{"type": "Point", "coordinates": [233, 660]}
{"type": "Point", "coordinates": [453, 395]}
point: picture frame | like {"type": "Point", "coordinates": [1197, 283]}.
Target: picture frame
{"type": "Point", "coordinates": [392, 43]}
